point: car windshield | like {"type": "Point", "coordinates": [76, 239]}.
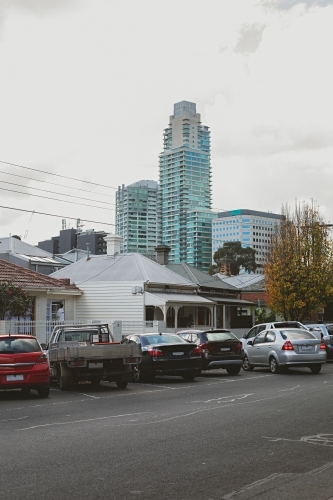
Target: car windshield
{"type": "Point", "coordinates": [15, 345]}
{"type": "Point", "coordinates": [162, 339]}
{"type": "Point", "coordinates": [220, 336]}
{"type": "Point", "coordinates": [287, 324]}
{"type": "Point", "coordinates": [296, 334]}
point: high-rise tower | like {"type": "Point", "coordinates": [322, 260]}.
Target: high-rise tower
{"type": "Point", "coordinates": [185, 188]}
{"type": "Point", "coordinates": [137, 217]}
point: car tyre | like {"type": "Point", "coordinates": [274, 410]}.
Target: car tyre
{"type": "Point", "coordinates": [315, 369]}
{"type": "Point", "coordinates": [121, 384]}
{"type": "Point", "coordinates": [188, 377]}
{"type": "Point", "coordinates": [246, 365]}
{"type": "Point", "coordinates": [43, 392]}
{"type": "Point", "coordinates": [273, 365]}
{"type": "Point", "coordinates": [233, 370]}
{"type": "Point", "coordinates": [95, 380]}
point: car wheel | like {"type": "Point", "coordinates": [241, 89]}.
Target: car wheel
{"type": "Point", "coordinates": [233, 370]}
{"type": "Point", "coordinates": [273, 365]}
{"type": "Point", "coordinates": [43, 392]}
{"type": "Point", "coordinates": [246, 365]}
{"type": "Point", "coordinates": [136, 375]}
{"type": "Point", "coordinates": [121, 384]}
{"type": "Point", "coordinates": [315, 368]}
{"type": "Point", "coordinates": [95, 380]}
{"type": "Point", "coordinates": [189, 376]}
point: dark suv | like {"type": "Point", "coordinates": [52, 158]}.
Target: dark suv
{"type": "Point", "coordinates": [219, 349]}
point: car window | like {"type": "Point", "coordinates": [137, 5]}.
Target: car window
{"type": "Point", "coordinates": [296, 334]}
{"type": "Point", "coordinates": [261, 328]}
{"type": "Point", "coordinates": [270, 337]}
{"type": "Point", "coordinates": [252, 333]}
{"type": "Point", "coordinates": [12, 345]}
{"type": "Point", "coordinates": [163, 339]}
{"type": "Point", "coordinates": [186, 336]}
{"type": "Point", "coordinates": [259, 338]}
{"type": "Point", "coordinates": [330, 329]}
{"type": "Point", "coordinates": [194, 337]}
{"type": "Point", "coordinates": [218, 336]}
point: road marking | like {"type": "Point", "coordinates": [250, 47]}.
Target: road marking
{"type": "Point", "coordinates": [284, 390]}
{"type": "Point", "coordinates": [80, 421]}
{"type": "Point", "coordinates": [219, 400]}
{"type": "Point", "coordinates": [318, 439]}
{"type": "Point", "coordinates": [14, 419]}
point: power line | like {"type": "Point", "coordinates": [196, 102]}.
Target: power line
{"type": "Point", "coordinates": [57, 175]}
{"type": "Point", "coordinates": [55, 192]}
{"type": "Point", "coordinates": [59, 216]}
{"type": "Point", "coordinates": [54, 199]}
{"type": "Point", "coordinates": [52, 183]}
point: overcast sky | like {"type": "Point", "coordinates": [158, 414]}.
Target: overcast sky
{"type": "Point", "coordinates": [87, 87]}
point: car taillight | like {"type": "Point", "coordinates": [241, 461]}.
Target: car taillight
{"type": "Point", "coordinates": [322, 345]}
{"type": "Point", "coordinates": [239, 346]}
{"type": "Point", "coordinates": [133, 360]}
{"type": "Point", "coordinates": [197, 350]}
{"type": "Point", "coordinates": [156, 353]}
{"type": "Point", "coordinates": [287, 346]}
{"type": "Point", "coordinates": [42, 359]}
{"type": "Point", "coordinates": [206, 347]}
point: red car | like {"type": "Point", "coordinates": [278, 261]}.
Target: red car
{"type": "Point", "coordinates": [24, 365]}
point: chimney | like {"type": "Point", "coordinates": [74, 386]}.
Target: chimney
{"type": "Point", "coordinates": [162, 254]}
{"type": "Point", "coordinates": [112, 244]}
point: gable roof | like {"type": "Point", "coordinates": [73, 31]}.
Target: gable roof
{"type": "Point", "coordinates": [244, 281]}
{"type": "Point", "coordinates": [122, 267]}
{"type": "Point", "coordinates": [29, 280]}
{"type": "Point", "coordinates": [13, 245]}
{"type": "Point", "coordinates": [200, 277]}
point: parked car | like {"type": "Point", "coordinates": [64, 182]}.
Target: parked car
{"type": "Point", "coordinates": [327, 336]}
{"type": "Point", "coordinates": [281, 348]}
{"type": "Point", "coordinates": [165, 354]}
{"type": "Point", "coordinates": [219, 348]}
{"type": "Point", "coordinates": [267, 326]}
{"type": "Point", "coordinates": [23, 365]}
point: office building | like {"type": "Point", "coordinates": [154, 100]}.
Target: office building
{"type": "Point", "coordinates": [185, 188]}
{"type": "Point", "coordinates": [252, 228]}
{"type": "Point", "coordinates": [90, 240]}
{"type": "Point", "coordinates": [137, 220]}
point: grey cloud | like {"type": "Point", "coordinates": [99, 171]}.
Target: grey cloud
{"type": "Point", "coordinates": [250, 38]}
{"type": "Point", "coordinates": [289, 4]}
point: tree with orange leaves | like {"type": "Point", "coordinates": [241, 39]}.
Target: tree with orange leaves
{"type": "Point", "coordinates": [299, 268]}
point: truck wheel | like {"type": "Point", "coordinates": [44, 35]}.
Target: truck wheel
{"type": "Point", "coordinates": [121, 384]}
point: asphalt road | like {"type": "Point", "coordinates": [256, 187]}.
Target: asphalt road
{"type": "Point", "coordinates": [255, 435]}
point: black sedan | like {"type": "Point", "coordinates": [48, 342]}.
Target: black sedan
{"type": "Point", "coordinates": [219, 348]}
{"type": "Point", "coordinates": [165, 354]}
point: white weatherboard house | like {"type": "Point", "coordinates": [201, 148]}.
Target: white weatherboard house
{"type": "Point", "coordinates": [133, 293]}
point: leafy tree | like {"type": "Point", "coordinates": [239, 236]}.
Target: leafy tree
{"type": "Point", "coordinates": [13, 300]}
{"type": "Point", "coordinates": [299, 269]}
{"type": "Point", "coordinates": [236, 256]}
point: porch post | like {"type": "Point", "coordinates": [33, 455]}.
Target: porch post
{"type": "Point", "coordinates": [224, 316]}
{"type": "Point", "coordinates": [215, 316]}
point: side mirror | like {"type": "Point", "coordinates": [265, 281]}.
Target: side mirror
{"type": "Point", "coordinates": [250, 342]}
{"type": "Point", "coordinates": [44, 347]}
{"type": "Point", "coordinates": [244, 336]}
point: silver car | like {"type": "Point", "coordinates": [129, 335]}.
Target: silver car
{"type": "Point", "coordinates": [281, 348]}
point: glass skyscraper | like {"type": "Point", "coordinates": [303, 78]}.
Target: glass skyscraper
{"type": "Point", "coordinates": [137, 219]}
{"type": "Point", "coordinates": [185, 188]}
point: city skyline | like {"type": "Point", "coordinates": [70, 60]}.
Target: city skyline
{"type": "Point", "coordinates": [83, 106]}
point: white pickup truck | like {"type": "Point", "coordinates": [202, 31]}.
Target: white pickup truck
{"type": "Point", "coordinates": [89, 353]}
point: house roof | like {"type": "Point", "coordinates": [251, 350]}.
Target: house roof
{"type": "Point", "coordinates": [29, 280]}
{"type": "Point", "coordinates": [13, 245]}
{"type": "Point", "coordinates": [122, 267]}
{"type": "Point", "coordinates": [248, 282]}
{"type": "Point", "coordinates": [200, 277]}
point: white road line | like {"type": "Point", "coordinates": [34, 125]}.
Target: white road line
{"type": "Point", "coordinates": [14, 419]}
{"type": "Point", "coordinates": [292, 388]}
{"type": "Point", "coordinates": [80, 421]}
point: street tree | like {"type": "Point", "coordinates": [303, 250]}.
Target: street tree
{"type": "Point", "coordinates": [299, 268]}
{"type": "Point", "coordinates": [14, 302]}
{"type": "Point", "coordinates": [236, 256]}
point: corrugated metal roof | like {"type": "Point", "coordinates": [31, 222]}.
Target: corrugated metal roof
{"type": "Point", "coordinates": [26, 278]}
{"type": "Point", "coordinates": [160, 298]}
{"type": "Point", "coordinates": [242, 281]}
{"type": "Point", "coordinates": [14, 245]}
{"type": "Point", "coordinates": [123, 267]}
{"type": "Point", "coordinates": [201, 278]}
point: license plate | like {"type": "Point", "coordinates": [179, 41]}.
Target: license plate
{"type": "Point", "coordinates": [225, 349]}
{"type": "Point", "coordinates": [96, 365]}
{"type": "Point", "coordinates": [178, 353]}
{"type": "Point", "coordinates": [13, 378]}
{"type": "Point", "coordinates": [306, 348]}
